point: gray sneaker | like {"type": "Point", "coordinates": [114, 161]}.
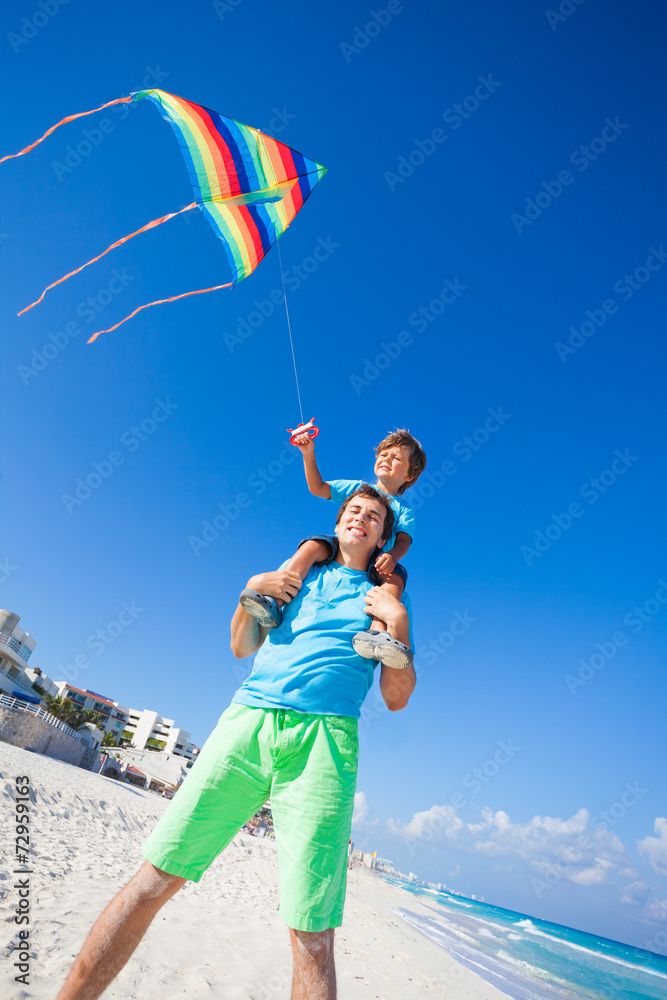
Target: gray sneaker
{"type": "Point", "coordinates": [263, 608]}
{"type": "Point", "coordinates": [380, 646]}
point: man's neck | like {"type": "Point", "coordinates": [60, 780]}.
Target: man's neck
{"type": "Point", "coordinates": [353, 560]}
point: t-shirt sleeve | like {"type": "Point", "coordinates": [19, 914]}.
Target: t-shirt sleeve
{"type": "Point", "coordinates": [342, 488]}
{"type": "Point", "coordinates": [406, 522]}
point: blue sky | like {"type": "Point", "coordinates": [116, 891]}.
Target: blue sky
{"type": "Point", "coordinates": [494, 228]}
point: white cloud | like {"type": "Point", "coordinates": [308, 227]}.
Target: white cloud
{"type": "Point", "coordinates": [361, 809]}
{"type": "Point", "coordinates": [655, 848]}
{"type": "Point", "coordinates": [657, 910]}
{"type": "Point", "coordinates": [635, 894]}
{"type": "Point", "coordinates": [432, 824]}
{"type": "Point", "coordinates": [569, 849]}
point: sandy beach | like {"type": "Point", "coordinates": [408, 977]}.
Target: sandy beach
{"type": "Point", "coordinates": [220, 938]}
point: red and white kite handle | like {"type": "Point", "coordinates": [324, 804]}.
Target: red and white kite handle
{"type": "Point", "coordinates": [308, 428]}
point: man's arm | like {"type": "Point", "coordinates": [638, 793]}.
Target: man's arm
{"type": "Point", "coordinates": [396, 686]}
{"type": "Point", "coordinates": [247, 634]}
{"type": "Point", "coordinates": [316, 484]}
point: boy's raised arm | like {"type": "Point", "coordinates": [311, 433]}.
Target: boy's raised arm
{"type": "Point", "coordinates": [317, 486]}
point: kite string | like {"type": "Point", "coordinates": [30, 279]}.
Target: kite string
{"type": "Point", "coordinates": [289, 328]}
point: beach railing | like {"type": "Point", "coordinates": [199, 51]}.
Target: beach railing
{"type": "Point", "coordinates": [40, 712]}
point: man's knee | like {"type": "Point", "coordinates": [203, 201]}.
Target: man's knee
{"type": "Point", "coordinates": [154, 885]}
{"type": "Point", "coordinates": [317, 945]}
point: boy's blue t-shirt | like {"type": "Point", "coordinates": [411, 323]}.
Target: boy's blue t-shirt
{"type": "Point", "coordinates": [404, 516]}
{"type": "Point", "coordinates": [308, 663]}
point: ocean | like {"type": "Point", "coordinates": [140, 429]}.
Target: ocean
{"type": "Point", "coordinates": [531, 959]}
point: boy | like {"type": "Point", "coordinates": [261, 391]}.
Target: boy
{"type": "Point", "coordinates": [399, 462]}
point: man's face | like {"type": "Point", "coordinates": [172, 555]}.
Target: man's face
{"type": "Point", "coordinates": [361, 525]}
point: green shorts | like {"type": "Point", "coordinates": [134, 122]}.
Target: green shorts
{"type": "Point", "coordinates": [307, 765]}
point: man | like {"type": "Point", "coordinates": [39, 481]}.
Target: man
{"type": "Point", "coordinates": [290, 734]}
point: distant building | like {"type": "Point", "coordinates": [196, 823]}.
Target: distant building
{"type": "Point", "coordinates": [114, 717]}
{"type": "Point", "coordinates": [144, 729]}
{"type": "Point", "coordinates": [148, 729]}
{"type": "Point", "coordinates": [17, 679]}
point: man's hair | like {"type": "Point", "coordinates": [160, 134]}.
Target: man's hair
{"type": "Point", "coordinates": [402, 438]}
{"type": "Point", "coordinates": [366, 490]}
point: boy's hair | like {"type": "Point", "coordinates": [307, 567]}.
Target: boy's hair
{"type": "Point", "coordinates": [366, 490]}
{"type": "Point", "coordinates": [402, 438]}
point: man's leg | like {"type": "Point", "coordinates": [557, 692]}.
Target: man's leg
{"type": "Point", "coordinates": [117, 932]}
{"type": "Point", "coordinates": [314, 970]}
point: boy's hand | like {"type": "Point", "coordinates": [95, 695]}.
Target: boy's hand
{"type": "Point", "coordinates": [385, 565]}
{"type": "Point", "coordinates": [305, 443]}
{"type": "Point", "coordinates": [282, 583]}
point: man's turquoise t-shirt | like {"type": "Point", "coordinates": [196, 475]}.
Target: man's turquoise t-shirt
{"type": "Point", "coordinates": [308, 663]}
{"type": "Point", "coordinates": [404, 516]}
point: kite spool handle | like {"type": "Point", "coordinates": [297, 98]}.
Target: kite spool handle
{"type": "Point", "coordinates": [310, 429]}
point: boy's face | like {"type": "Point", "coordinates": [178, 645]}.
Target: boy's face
{"type": "Point", "coordinates": [361, 525]}
{"type": "Point", "coordinates": [393, 464]}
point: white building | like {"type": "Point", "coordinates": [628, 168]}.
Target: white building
{"type": "Point", "coordinates": [114, 716]}
{"type": "Point", "coordinates": [16, 646]}
{"type": "Point", "coordinates": [150, 729]}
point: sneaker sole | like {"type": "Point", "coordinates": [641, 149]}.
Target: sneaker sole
{"type": "Point", "coordinates": [258, 611]}
{"type": "Point", "coordinates": [390, 655]}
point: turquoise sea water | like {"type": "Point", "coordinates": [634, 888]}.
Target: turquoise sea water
{"type": "Point", "coordinates": [531, 959]}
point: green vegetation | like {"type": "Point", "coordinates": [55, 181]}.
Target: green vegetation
{"type": "Point", "coordinates": [155, 744]}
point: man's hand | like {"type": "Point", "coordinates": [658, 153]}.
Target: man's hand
{"type": "Point", "coordinates": [281, 583]}
{"type": "Point", "coordinates": [385, 565]}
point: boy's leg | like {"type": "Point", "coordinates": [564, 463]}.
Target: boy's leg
{"type": "Point", "coordinates": [375, 643]}
{"type": "Point", "coordinates": [309, 552]}
{"type": "Point", "coordinates": [393, 586]}
{"type": "Point", "coordinates": [312, 550]}
{"type": "Point", "coordinates": [117, 932]}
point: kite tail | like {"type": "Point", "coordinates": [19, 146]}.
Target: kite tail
{"type": "Point", "coordinates": [149, 225]}
{"type": "Point", "coordinates": [70, 118]}
{"type": "Point", "coordinates": [158, 302]}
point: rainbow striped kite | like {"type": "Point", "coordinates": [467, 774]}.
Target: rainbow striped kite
{"type": "Point", "coordinates": [248, 185]}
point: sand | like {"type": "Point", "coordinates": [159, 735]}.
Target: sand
{"type": "Point", "coordinates": [220, 938]}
